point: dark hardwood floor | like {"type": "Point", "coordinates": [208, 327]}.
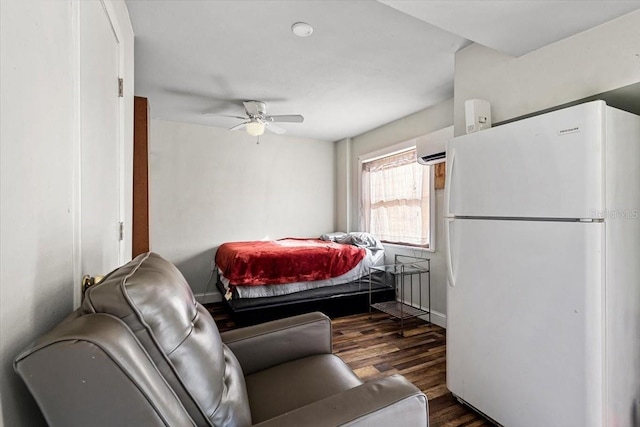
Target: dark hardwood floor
{"type": "Point", "coordinates": [373, 348]}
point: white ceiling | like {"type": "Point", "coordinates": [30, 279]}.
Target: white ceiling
{"type": "Point", "coordinates": [366, 63]}
{"type": "Point", "coordinates": [515, 27]}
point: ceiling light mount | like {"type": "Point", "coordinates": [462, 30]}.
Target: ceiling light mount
{"type": "Point", "coordinates": [302, 29]}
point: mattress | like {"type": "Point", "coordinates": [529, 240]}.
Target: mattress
{"type": "Point", "coordinates": [264, 269]}
{"type": "Point", "coordinates": [361, 269]}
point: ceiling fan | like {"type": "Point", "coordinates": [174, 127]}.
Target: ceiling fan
{"type": "Point", "coordinates": [257, 120]}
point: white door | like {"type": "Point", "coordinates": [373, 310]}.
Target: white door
{"type": "Point", "coordinates": [101, 141]}
{"type": "Point", "coordinates": [548, 166]}
{"type": "Point", "coordinates": [524, 320]}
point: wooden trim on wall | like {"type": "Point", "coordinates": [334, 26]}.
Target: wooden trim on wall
{"type": "Point", "coordinates": [140, 176]}
{"type": "Point", "coordinates": [439, 171]}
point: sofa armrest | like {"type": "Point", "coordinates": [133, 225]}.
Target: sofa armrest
{"type": "Point", "coordinates": [269, 344]}
{"type": "Point", "coordinates": [92, 370]}
{"type": "Point", "coordinates": [390, 401]}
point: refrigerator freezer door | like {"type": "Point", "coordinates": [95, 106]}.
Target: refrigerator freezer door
{"type": "Point", "coordinates": [548, 166]}
{"type": "Point", "coordinates": [525, 321]}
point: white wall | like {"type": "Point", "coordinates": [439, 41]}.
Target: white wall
{"type": "Point", "coordinates": [343, 184]}
{"type": "Point", "coordinates": [598, 60]}
{"type": "Point", "coordinates": [208, 186]}
{"type": "Point", "coordinates": [37, 139]}
{"type": "Point", "coordinates": [421, 123]}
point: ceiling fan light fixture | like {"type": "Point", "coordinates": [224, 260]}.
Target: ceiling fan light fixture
{"type": "Point", "coordinates": [302, 29]}
{"type": "Point", "coordinates": [255, 128]}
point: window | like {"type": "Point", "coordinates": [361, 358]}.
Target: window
{"type": "Point", "coordinates": [396, 193]}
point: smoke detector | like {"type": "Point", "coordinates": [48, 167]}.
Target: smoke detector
{"type": "Point", "coordinates": [302, 29]}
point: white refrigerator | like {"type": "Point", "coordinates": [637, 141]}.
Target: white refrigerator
{"type": "Point", "coordinates": [543, 258]}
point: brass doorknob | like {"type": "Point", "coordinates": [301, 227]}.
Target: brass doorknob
{"type": "Point", "coordinates": [88, 281]}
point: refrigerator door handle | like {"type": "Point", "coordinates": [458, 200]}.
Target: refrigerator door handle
{"type": "Point", "coordinates": [447, 232]}
{"type": "Point", "coordinates": [448, 184]}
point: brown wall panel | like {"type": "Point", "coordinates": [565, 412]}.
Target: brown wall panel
{"type": "Point", "coordinates": [140, 176]}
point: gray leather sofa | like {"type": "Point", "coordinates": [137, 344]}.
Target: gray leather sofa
{"type": "Point", "coordinates": [140, 351]}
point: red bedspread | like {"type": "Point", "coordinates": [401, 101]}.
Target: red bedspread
{"type": "Point", "coordinates": [285, 261]}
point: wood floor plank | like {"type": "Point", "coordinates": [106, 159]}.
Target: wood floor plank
{"type": "Point", "coordinates": [372, 346]}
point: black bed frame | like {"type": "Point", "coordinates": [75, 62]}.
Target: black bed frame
{"type": "Point", "coordinates": [334, 301]}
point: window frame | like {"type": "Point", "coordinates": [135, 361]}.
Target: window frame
{"type": "Point", "coordinates": [389, 151]}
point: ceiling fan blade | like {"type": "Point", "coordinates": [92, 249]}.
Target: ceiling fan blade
{"type": "Point", "coordinates": [239, 126]}
{"type": "Point", "coordinates": [291, 118]}
{"type": "Point", "coordinates": [274, 129]}
{"type": "Point", "coordinates": [255, 108]}
{"type": "Point", "coordinates": [224, 115]}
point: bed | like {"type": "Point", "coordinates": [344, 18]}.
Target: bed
{"type": "Point", "coordinates": [262, 280]}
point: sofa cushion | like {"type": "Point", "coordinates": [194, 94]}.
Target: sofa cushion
{"type": "Point", "coordinates": [152, 297]}
{"type": "Point", "coordinates": [292, 385]}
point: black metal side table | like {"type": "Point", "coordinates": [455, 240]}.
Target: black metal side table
{"type": "Point", "coordinates": [404, 269]}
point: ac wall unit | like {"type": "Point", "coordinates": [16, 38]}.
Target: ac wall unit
{"type": "Point", "coordinates": [432, 148]}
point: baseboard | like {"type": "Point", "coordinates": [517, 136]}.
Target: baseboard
{"type": "Point", "coordinates": [208, 297]}
{"type": "Point", "coordinates": [437, 318]}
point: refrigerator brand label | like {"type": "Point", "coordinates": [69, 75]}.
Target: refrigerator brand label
{"type": "Point", "coordinates": [569, 130]}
